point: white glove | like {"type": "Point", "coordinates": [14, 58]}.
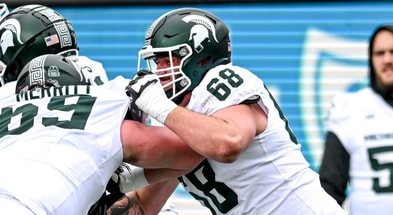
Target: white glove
{"type": "Point", "coordinates": [129, 177]}
{"type": "Point", "coordinates": [168, 209]}
{"type": "Point", "coordinates": [146, 91]}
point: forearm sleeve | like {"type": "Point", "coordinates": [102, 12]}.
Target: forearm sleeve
{"type": "Point", "coordinates": [334, 170]}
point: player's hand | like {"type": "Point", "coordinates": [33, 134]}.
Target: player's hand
{"type": "Point", "coordinates": [129, 178]}
{"type": "Point", "coordinates": [136, 114]}
{"type": "Point", "coordinates": [146, 91]}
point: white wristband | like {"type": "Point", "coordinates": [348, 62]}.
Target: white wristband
{"type": "Point", "coordinates": [158, 106]}
{"type": "Point", "coordinates": [133, 179]}
{"type": "Point", "coordinates": [165, 110]}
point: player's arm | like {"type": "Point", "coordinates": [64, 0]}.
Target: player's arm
{"type": "Point", "coordinates": [147, 200]}
{"type": "Point", "coordinates": [156, 147]}
{"type": "Point", "coordinates": [334, 170]}
{"type": "Point", "coordinates": [221, 136]}
{"type": "Point", "coordinates": [161, 154]}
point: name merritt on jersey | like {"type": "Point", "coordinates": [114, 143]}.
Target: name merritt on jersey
{"type": "Point", "coordinates": [53, 91]}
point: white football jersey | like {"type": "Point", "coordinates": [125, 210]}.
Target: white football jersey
{"type": "Point", "coordinates": [93, 70]}
{"type": "Point", "coordinates": [7, 89]}
{"type": "Point", "coordinates": [271, 176]}
{"type": "Point", "coordinates": [363, 122]}
{"type": "Point", "coordinates": [57, 153]}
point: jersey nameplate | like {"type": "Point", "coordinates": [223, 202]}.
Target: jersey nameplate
{"type": "Point", "coordinates": [53, 91]}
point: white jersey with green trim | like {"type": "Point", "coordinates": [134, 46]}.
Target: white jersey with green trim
{"type": "Point", "coordinates": [93, 70]}
{"type": "Point", "coordinates": [271, 176]}
{"type": "Point", "coordinates": [60, 146]}
{"type": "Point", "coordinates": [363, 122]}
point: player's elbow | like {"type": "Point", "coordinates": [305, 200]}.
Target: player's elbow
{"type": "Point", "coordinates": [226, 157]}
{"type": "Point", "coordinates": [229, 151]}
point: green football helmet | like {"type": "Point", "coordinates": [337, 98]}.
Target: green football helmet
{"type": "Point", "coordinates": [49, 70]}
{"type": "Point", "coordinates": [198, 37]}
{"type": "Point", "coordinates": [29, 31]}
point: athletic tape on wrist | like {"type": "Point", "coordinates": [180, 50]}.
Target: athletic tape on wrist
{"type": "Point", "coordinates": [138, 180]}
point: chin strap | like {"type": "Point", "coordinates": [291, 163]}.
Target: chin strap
{"type": "Point", "coordinates": [177, 100]}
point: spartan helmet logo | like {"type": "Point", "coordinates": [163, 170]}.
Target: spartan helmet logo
{"type": "Point", "coordinates": [53, 71]}
{"type": "Point", "coordinates": [11, 27]}
{"type": "Point", "coordinates": [200, 31]}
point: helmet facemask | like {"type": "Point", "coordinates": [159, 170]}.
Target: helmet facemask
{"type": "Point", "coordinates": [199, 38]}
{"type": "Point", "coordinates": [173, 79]}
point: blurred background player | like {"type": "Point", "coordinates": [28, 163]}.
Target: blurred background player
{"type": "Point", "coordinates": [359, 141]}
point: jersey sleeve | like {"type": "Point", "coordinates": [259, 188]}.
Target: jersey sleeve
{"type": "Point", "coordinates": [334, 169]}
{"type": "Point", "coordinates": [339, 114]}
{"type": "Point", "coordinates": [93, 70]}
{"type": "Point", "coordinates": [224, 86]}
{"type": "Point", "coordinates": [7, 90]}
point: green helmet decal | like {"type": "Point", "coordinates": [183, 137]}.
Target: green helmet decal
{"type": "Point", "coordinates": [196, 36]}
{"type": "Point", "coordinates": [11, 29]}
{"type": "Point", "coordinates": [200, 31]}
